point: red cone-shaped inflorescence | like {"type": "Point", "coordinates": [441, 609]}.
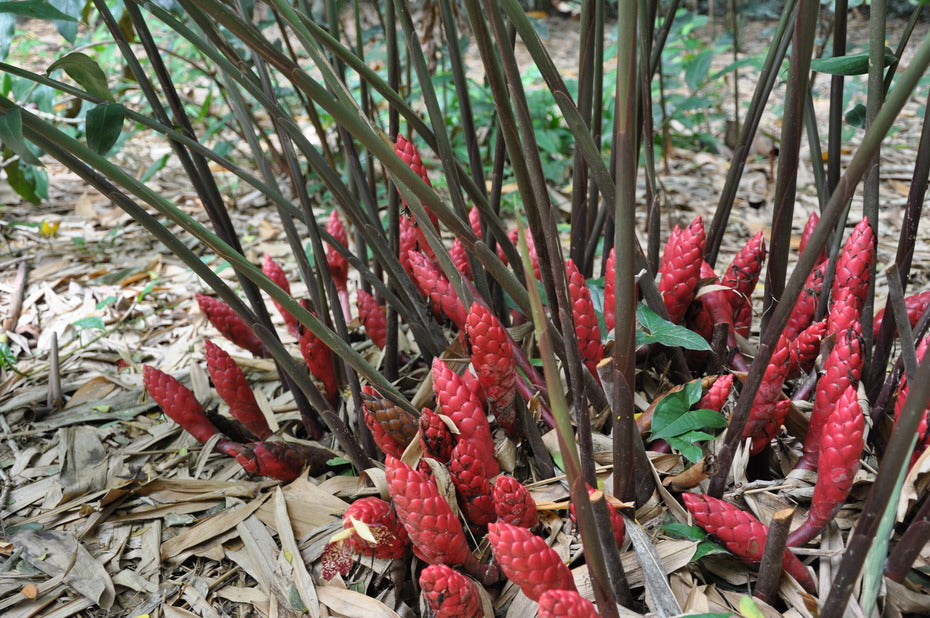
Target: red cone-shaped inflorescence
{"type": "Point", "coordinates": [474, 220]}
{"type": "Point", "coordinates": [802, 315]}
{"type": "Point", "coordinates": [851, 281]}
{"type": "Point", "coordinates": [472, 484]}
{"type": "Point", "coordinates": [459, 403]}
{"type": "Point", "coordinates": [433, 284]}
{"type": "Point", "coordinates": [492, 357]}
{"type": "Point", "coordinates": [710, 307]}
{"type": "Point", "coordinates": [681, 268]}
{"type": "Point", "coordinates": [408, 243]}
{"type": "Point", "coordinates": [610, 274]}
{"type": "Point", "coordinates": [178, 403]}
{"type": "Point", "coordinates": [812, 222]}
{"type": "Point", "coordinates": [434, 530]}
{"type": "Point", "coordinates": [528, 561]}
{"type": "Point", "coordinates": [840, 450]}
{"type": "Point", "coordinates": [513, 503]}
{"type": "Point", "coordinates": [372, 317]}
{"type": "Point", "coordinates": [741, 533]}
{"type": "Point", "coordinates": [766, 415]}
{"type": "Point", "coordinates": [842, 368]}
{"type": "Point", "coordinates": [717, 394]}
{"type": "Point", "coordinates": [459, 256]}
{"type": "Point", "coordinates": [435, 437]}
{"type": "Point", "coordinates": [616, 520]}
{"type": "Point", "coordinates": [281, 461]}
{"type": "Point", "coordinates": [411, 156]}
{"type": "Point", "coordinates": [587, 330]}
{"type": "Point", "coordinates": [232, 386]}
{"type": "Point", "coordinates": [742, 275]}
{"type": "Point", "coordinates": [450, 594]}
{"type": "Point", "coordinates": [320, 361]}
{"type": "Point", "coordinates": [565, 604]}
{"type": "Point", "coordinates": [338, 264]}
{"type": "Point", "coordinates": [380, 518]}
{"type": "Point", "coordinates": [274, 272]}
{"type": "Point", "coordinates": [391, 426]}
{"type": "Point", "coordinates": [805, 349]}
{"type": "Point", "coordinates": [922, 433]}
{"type": "Point", "coordinates": [230, 325]}
{"type": "Point", "coordinates": [915, 307]}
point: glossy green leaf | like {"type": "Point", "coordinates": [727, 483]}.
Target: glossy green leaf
{"type": "Point", "coordinates": [11, 134]}
{"type": "Point", "coordinates": [86, 72]}
{"type": "Point", "coordinates": [659, 330]}
{"type": "Point", "coordinates": [34, 9]}
{"type": "Point", "coordinates": [104, 125]}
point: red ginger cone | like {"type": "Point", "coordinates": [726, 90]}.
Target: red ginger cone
{"type": "Point", "coordinates": [915, 306]}
{"type": "Point", "coordinates": [372, 317]}
{"type": "Point", "coordinates": [616, 520]}
{"type": "Point", "coordinates": [472, 484]}
{"type": "Point", "coordinates": [391, 536]}
{"type": "Point", "coordinates": [274, 272]}
{"type": "Point", "coordinates": [178, 403]}
{"type": "Point", "coordinates": [230, 325]}
{"type": "Point", "coordinates": [922, 434]}
{"type": "Point", "coordinates": [459, 256]}
{"type": "Point", "coordinates": [492, 357]}
{"type": "Point", "coordinates": [232, 386]}
{"type": "Point", "coordinates": [681, 269]}
{"type": "Point", "coordinates": [513, 503]}
{"type": "Point", "coordinates": [435, 437]}
{"type": "Point", "coordinates": [436, 287]}
{"type": "Point", "coordinates": [587, 330]}
{"type": "Point", "coordinates": [812, 222]}
{"type": "Point", "coordinates": [852, 278]}
{"type": "Point", "coordinates": [840, 450]}
{"type": "Point", "coordinates": [610, 283]}
{"type": "Point", "coordinates": [802, 315]}
{"type": "Point", "coordinates": [767, 412]}
{"type": "Point", "coordinates": [741, 533]}
{"type": "Point", "coordinates": [565, 604]}
{"type": "Point", "coordinates": [804, 350]}
{"type": "Point", "coordinates": [434, 530]}
{"type": "Point", "coordinates": [408, 243]}
{"type": "Point", "coordinates": [474, 220]}
{"type": "Point", "coordinates": [842, 368]}
{"type": "Point", "coordinates": [459, 403]}
{"type": "Point", "coordinates": [338, 264]}
{"type": "Point", "coordinates": [742, 275]}
{"type": "Point", "coordinates": [391, 426]}
{"type": "Point", "coordinates": [320, 361]}
{"type": "Point", "coordinates": [711, 307]}
{"type": "Point", "coordinates": [717, 394]}
{"type": "Point", "coordinates": [450, 594]}
{"type": "Point", "coordinates": [281, 461]}
{"type": "Point", "coordinates": [528, 561]}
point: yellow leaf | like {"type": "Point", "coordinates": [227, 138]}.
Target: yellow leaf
{"type": "Point", "coordinates": [748, 607]}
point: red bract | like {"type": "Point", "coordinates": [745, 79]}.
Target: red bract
{"type": "Point", "coordinates": [565, 604]}
{"type": "Point", "coordinates": [178, 403]}
{"type": "Point", "coordinates": [450, 594]}
{"type": "Point", "coordinates": [717, 394]}
{"type": "Point", "coordinates": [842, 368]}
{"type": "Point", "coordinates": [435, 437]}
{"type": "Point", "coordinates": [381, 520]}
{"type": "Point", "coordinates": [472, 484]}
{"type": "Point", "coordinates": [530, 247]}
{"type": "Point", "coordinates": [741, 533]}
{"type": "Point", "coordinates": [851, 281]}
{"type": "Point", "coordinates": [474, 220]}
{"type": "Point", "coordinates": [320, 361]}
{"type": "Point", "coordinates": [513, 503]}
{"type": "Point", "coordinates": [681, 269]}
{"type": "Point", "coordinates": [372, 317]}
{"type": "Point", "coordinates": [433, 284]}
{"type": "Point", "coordinates": [528, 561]}
{"type": "Point", "coordinates": [281, 461]}
{"type": "Point", "coordinates": [433, 528]}
{"type": "Point", "coordinates": [411, 156]}
{"type": "Point", "coordinates": [338, 264]}
{"type": "Point", "coordinates": [391, 426]}
{"type": "Point", "coordinates": [915, 307]}
{"type": "Point", "coordinates": [230, 325]}
{"type": "Point", "coordinates": [616, 520]}
{"type": "Point", "coordinates": [459, 403]}
{"type": "Point", "coordinates": [408, 242]}
{"type": "Point", "coordinates": [922, 434]}
{"type": "Point", "coordinates": [492, 357]}
{"type": "Point", "coordinates": [710, 307]}
{"type": "Point", "coordinates": [232, 386]}
{"type": "Point", "coordinates": [610, 283]}
{"type": "Point", "coordinates": [742, 275]}
{"type": "Point", "coordinates": [459, 256]}
{"type": "Point", "coordinates": [812, 222]}
{"type": "Point", "coordinates": [274, 272]}
{"type": "Point", "coordinates": [804, 309]}
{"type": "Point", "coordinates": [587, 330]}
{"type": "Point", "coordinates": [767, 412]}
{"type": "Point", "coordinates": [840, 450]}
{"type": "Point", "coordinates": [805, 349]}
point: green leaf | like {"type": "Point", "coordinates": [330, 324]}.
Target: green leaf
{"type": "Point", "coordinates": [851, 64]}
{"type": "Point", "coordinates": [68, 28]}
{"type": "Point", "coordinates": [104, 125]}
{"type": "Point", "coordinates": [21, 181]}
{"type": "Point", "coordinates": [684, 531]}
{"type": "Point", "coordinates": [7, 28]}
{"type": "Point", "coordinates": [687, 422]}
{"type": "Point", "coordinates": [92, 322]}
{"type": "Point", "coordinates": [674, 405]}
{"type": "Point", "coordinates": [155, 167]}
{"type": "Point", "coordinates": [748, 607]}
{"type": "Point", "coordinates": [856, 116]}
{"type": "Point", "coordinates": [11, 134]}
{"type": "Point", "coordinates": [7, 358]}
{"type": "Point", "coordinates": [86, 72]}
{"type": "Point", "coordinates": [707, 548]}
{"type": "Point", "coordinates": [664, 332]}
{"type": "Point", "coordinates": [34, 9]}
{"type": "Point", "coordinates": [692, 452]}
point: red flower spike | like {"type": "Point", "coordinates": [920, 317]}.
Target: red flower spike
{"type": "Point", "coordinates": [802, 315]}
{"type": "Point", "coordinates": [338, 264]}
{"type": "Point", "coordinates": [922, 434]}
{"type": "Point", "coordinates": [767, 412]}
{"type": "Point", "coordinates": [408, 243]}
{"type": "Point", "coordinates": [320, 361]}
{"type": "Point", "coordinates": [610, 274]}
{"type": "Point", "coordinates": [717, 394]}
{"type": "Point", "coordinates": [450, 594]}
{"type": "Point", "coordinates": [915, 306]}
{"type": "Point", "coordinates": [381, 520]}
{"type": "Point", "coordinates": [474, 220]}
{"type": "Point", "coordinates": [474, 385]}
{"type": "Point", "coordinates": [710, 307]}
{"type": "Point", "coordinates": [565, 604]}
{"type": "Point", "coordinates": [459, 403]}
{"type": "Point", "coordinates": [178, 403]}
{"type": "Point", "coordinates": [232, 386]}
{"type": "Point", "coordinates": [681, 269]}
{"type": "Point", "coordinates": [391, 426]}
{"type": "Point", "coordinates": [411, 156]}
{"type": "Point", "coordinates": [741, 533]}
{"type": "Point", "coordinates": [853, 268]}
{"type": "Point", "coordinates": [435, 437]}
{"type": "Point", "coordinates": [460, 258]}
{"type": "Point", "coordinates": [434, 530]}
{"type": "Point", "coordinates": [842, 368]}
{"type": "Point", "coordinates": [742, 275]}
{"type": "Point", "coordinates": [528, 561]}
{"type": "Point", "coordinates": [230, 325]}
{"type": "Point", "coordinates": [492, 357]}
{"type": "Point", "coordinates": [433, 284]}
{"type": "Point", "coordinates": [804, 350]}
{"type": "Point", "coordinates": [616, 520]}
{"type": "Point", "coordinates": [530, 247]}
{"type": "Point", "coordinates": [372, 317]}
{"type": "Point", "coordinates": [472, 485]}
{"type": "Point", "coordinates": [812, 222]}
{"type": "Point", "coordinates": [513, 503]}
{"type": "Point", "coordinates": [587, 330]}
{"type": "Point", "coordinates": [281, 461]}
{"type": "Point", "coordinates": [840, 450]}
{"type": "Point", "coordinates": [274, 272]}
